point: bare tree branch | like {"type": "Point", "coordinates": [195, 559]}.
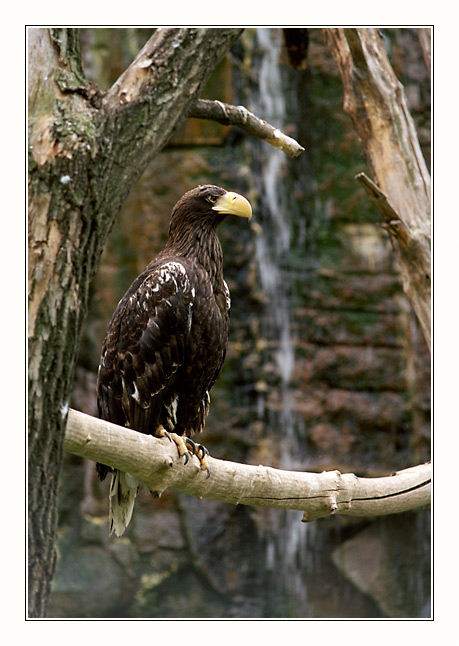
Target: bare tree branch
{"type": "Point", "coordinates": [228, 114]}
{"type": "Point", "coordinates": [156, 462]}
{"type": "Point", "coordinates": [392, 220]}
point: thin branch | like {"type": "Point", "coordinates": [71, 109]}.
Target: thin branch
{"type": "Point", "coordinates": [379, 198]}
{"type": "Point", "coordinates": [393, 223]}
{"type": "Point", "coordinates": [238, 115]}
{"type": "Point", "coordinates": [156, 462]}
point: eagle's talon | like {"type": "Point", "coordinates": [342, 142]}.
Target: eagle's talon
{"type": "Point", "coordinates": [189, 441]}
{"type": "Point", "coordinates": [178, 441]}
{"type": "Point", "coordinates": [203, 460]}
{"type": "Point", "coordinates": [200, 451]}
{"type": "Point", "coordinates": [161, 432]}
{"type": "Point", "coordinates": [203, 450]}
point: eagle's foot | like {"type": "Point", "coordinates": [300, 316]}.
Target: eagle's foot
{"type": "Point", "coordinates": [200, 451]}
{"type": "Point", "coordinates": [186, 446]}
{"type": "Point", "coordinates": [178, 441]}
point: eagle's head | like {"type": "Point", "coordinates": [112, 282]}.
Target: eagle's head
{"type": "Point", "coordinates": [206, 206]}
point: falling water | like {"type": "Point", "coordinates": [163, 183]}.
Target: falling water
{"type": "Point", "coordinates": [272, 247]}
{"type": "Point", "coordinates": [286, 549]}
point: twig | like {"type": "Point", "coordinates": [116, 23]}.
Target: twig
{"type": "Point", "coordinates": [156, 463]}
{"type": "Point", "coordinates": [393, 223]}
{"type": "Point", "coordinates": [379, 198]}
{"type": "Point", "coordinates": [228, 114]}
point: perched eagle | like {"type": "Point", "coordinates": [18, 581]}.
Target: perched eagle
{"type": "Point", "coordinates": [166, 342]}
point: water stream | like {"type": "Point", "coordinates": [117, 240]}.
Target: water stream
{"type": "Point", "coordinates": [286, 548]}
{"type": "Point", "coordinates": [273, 246]}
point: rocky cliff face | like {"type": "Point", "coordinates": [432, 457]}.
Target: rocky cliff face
{"type": "Point", "coordinates": [326, 367]}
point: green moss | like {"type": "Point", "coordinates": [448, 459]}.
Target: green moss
{"type": "Point", "coordinates": [73, 128]}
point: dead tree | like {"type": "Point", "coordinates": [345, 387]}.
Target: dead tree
{"type": "Point", "coordinates": [375, 100]}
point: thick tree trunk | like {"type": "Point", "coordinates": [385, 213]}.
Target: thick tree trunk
{"type": "Point", "coordinates": [375, 100]}
{"type": "Point", "coordinates": [85, 152]}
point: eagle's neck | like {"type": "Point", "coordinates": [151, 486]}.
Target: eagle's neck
{"type": "Point", "coordinates": [203, 246]}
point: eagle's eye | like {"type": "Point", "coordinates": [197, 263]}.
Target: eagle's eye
{"type": "Point", "coordinates": [211, 198]}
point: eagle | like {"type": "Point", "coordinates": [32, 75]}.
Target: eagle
{"type": "Point", "coordinates": [166, 342]}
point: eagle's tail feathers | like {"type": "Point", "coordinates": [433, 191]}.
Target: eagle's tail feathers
{"type": "Point", "coordinates": [123, 490]}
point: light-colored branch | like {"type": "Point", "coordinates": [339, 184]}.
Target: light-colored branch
{"type": "Point", "coordinates": [156, 463]}
{"type": "Point", "coordinates": [393, 223]}
{"type": "Point", "coordinates": [238, 115]}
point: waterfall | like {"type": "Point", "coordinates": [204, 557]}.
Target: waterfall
{"type": "Point", "coordinates": [273, 245]}
{"type": "Point", "coordinates": [286, 541]}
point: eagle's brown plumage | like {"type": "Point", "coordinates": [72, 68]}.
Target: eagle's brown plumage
{"type": "Point", "coordinates": [166, 342]}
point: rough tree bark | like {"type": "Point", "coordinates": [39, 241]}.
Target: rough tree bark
{"type": "Point", "coordinates": [376, 102]}
{"type": "Point", "coordinates": [86, 150]}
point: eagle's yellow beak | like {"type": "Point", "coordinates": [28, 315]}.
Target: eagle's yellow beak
{"type": "Point", "coordinates": [233, 204]}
